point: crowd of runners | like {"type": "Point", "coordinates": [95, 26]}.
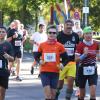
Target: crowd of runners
{"type": "Point", "coordinates": [65, 56]}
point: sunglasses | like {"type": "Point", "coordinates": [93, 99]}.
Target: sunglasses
{"type": "Point", "coordinates": [51, 32]}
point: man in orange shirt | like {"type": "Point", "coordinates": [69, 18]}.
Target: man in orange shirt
{"type": "Point", "coordinates": [51, 53]}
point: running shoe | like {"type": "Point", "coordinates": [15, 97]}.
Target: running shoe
{"type": "Point", "coordinates": [32, 70]}
{"type": "Point", "coordinates": [39, 76]}
{"type": "Point", "coordinates": [18, 78]}
{"type": "Point", "coordinates": [77, 93]}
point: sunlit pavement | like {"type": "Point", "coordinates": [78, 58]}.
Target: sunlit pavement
{"type": "Point", "coordinates": [30, 87]}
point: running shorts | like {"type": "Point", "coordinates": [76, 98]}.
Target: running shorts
{"type": "Point", "coordinates": [68, 70]}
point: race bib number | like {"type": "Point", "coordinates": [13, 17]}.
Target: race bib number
{"type": "Point", "coordinates": [0, 63]}
{"type": "Point", "coordinates": [70, 51]}
{"type": "Point", "coordinates": [18, 43]}
{"type": "Point", "coordinates": [90, 70]}
{"type": "Point", "coordinates": [49, 57]}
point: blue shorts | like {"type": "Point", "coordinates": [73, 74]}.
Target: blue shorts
{"type": "Point", "coordinates": [49, 78]}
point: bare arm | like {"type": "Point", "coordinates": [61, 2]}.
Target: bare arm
{"type": "Point", "coordinates": [8, 57]}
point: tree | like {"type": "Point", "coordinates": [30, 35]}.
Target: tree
{"type": "Point", "coordinates": [28, 11]}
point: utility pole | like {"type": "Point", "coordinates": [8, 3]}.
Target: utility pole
{"type": "Point", "coordinates": [1, 18]}
{"type": "Point", "coordinates": [85, 12]}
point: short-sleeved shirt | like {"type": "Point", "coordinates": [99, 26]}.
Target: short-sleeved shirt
{"type": "Point", "coordinates": [16, 42]}
{"type": "Point", "coordinates": [38, 38]}
{"type": "Point", "coordinates": [69, 42]}
{"type": "Point", "coordinates": [11, 32]}
{"type": "Point", "coordinates": [51, 56]}
{"type": "Point", "coordinates": [91, 57]}
{"type": "Point", "coordinates": [4, 47]}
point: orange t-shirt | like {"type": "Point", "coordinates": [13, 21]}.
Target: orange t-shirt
{"type": "Point", "coordinates": [51, 56]}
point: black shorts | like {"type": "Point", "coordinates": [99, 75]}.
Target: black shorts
{"type": "Point", "coordinates": [4, 82]}
{"type": "Point", "coordinates": [17, 54]}
{"type": "Point", "coordinates": [82, 79]}
{"type": "Point", "coordinates": [35, 56]}
{"type": "Point", "coordinates": [76, 78]}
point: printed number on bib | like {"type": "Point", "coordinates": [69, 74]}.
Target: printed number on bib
{"type": "Point", "coordinates": [90, 70]}
{"type": "Point", "coordinates": [0, 63]}
{"type": "Point", "coordinates": [18, 43]}
{"type": "Point", "coordinates": [70, 51]}
{"type": "Point", "coordinates": [49, 57]}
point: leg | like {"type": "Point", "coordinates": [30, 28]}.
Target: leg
{"type": "Point", "coordinates": [71, 73]}
{"type": "Point", "coordinates": [53, 93]}
{"type": "Point", "coordinates": [47, 92]}
{"type": "Point", "coordinates": [61, 80]}
{"type": "Point", "coordinates": [32, 67]}
{"type": "Point", "coordinates": [18, 66]}
{"type": "Point", "coordinates": [11, 68]}
{"type": "Point", "coordinates": [45, 79]}
{"type": "Point", "coordinates": [34, 62]}
{"type": "Point", "coordinates": [69, 91]}
{"type": "Point", "coordinates": [92, 80]}
{"type": "Point", "coordinates": [59, 87]}
{"type": "Point", "coordinates": [93, 92]}
{"type": "Point", "coordinates": [18, 61]}
{"type": "Point", "coordinates": [2, 93]}
{"type": "Point", "coordinates": [82, 93]}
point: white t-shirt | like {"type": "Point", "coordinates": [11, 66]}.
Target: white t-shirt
{"type": "Point", "coordinates": [38, 38]}
{"type": "Point", "coordinates": [76, 30]}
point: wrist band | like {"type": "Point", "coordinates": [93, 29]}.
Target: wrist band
{"type": "Point", "coordinates": [83, 56]}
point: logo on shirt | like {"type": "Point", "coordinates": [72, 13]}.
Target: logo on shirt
{"type": "Point", "coordinates": [69, 44]}
{"type": "Point", "coordinates": [73, 38]}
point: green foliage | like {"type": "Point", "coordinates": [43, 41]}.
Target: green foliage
{"type": "Point", "coordinates": [28, 11]}
{"type": "Point", "coordinates": [27, 45]}
{"type": "Point", "coordinates": [96, 37]}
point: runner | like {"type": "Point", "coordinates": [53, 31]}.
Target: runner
{"type": "Point", "coordinates": [35, 40]}
{"type": "Point", "coordinates": [16, 39]}
{"type": "Point", "coordinates": [69, 39]}
{"type": "Point", "coordinates": [51, 51]}
{"type": "Point", "coordinates": [86, 56]}
{"type": "Point", "coordinates": [5, 56]}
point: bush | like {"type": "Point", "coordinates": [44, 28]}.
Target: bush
{"type": "Point", "coordinates": [27, 45]}
{"type": "Point", "coordinates": [96, 37]}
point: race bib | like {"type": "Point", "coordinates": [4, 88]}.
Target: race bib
{"type": "Point", "coordinates": [0, 63]}
{"type": "Point", "coordinates": [70, 51]}
{"type": "Point", "coordinates": [49, 57]}
{"type": "Point", "coordinates": [90, 70]}
{"type": "Point", "coordinates": [18, 43]}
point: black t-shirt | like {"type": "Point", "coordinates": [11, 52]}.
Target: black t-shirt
{"type": "Point", "coordinates": [16, 42]}
{"type": "Point", "coordinates": [4, 47]}
{"type": "Point", "coordinates": [69, 42]}
{"type": "Point", "coordinates": [11, 32]}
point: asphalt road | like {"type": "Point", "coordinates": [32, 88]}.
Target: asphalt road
{"type": "Point", "coordinates": [30, 87]}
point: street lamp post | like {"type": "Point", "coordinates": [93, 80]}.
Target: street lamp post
{"type": "Point", "coordinates": [85, 12]}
